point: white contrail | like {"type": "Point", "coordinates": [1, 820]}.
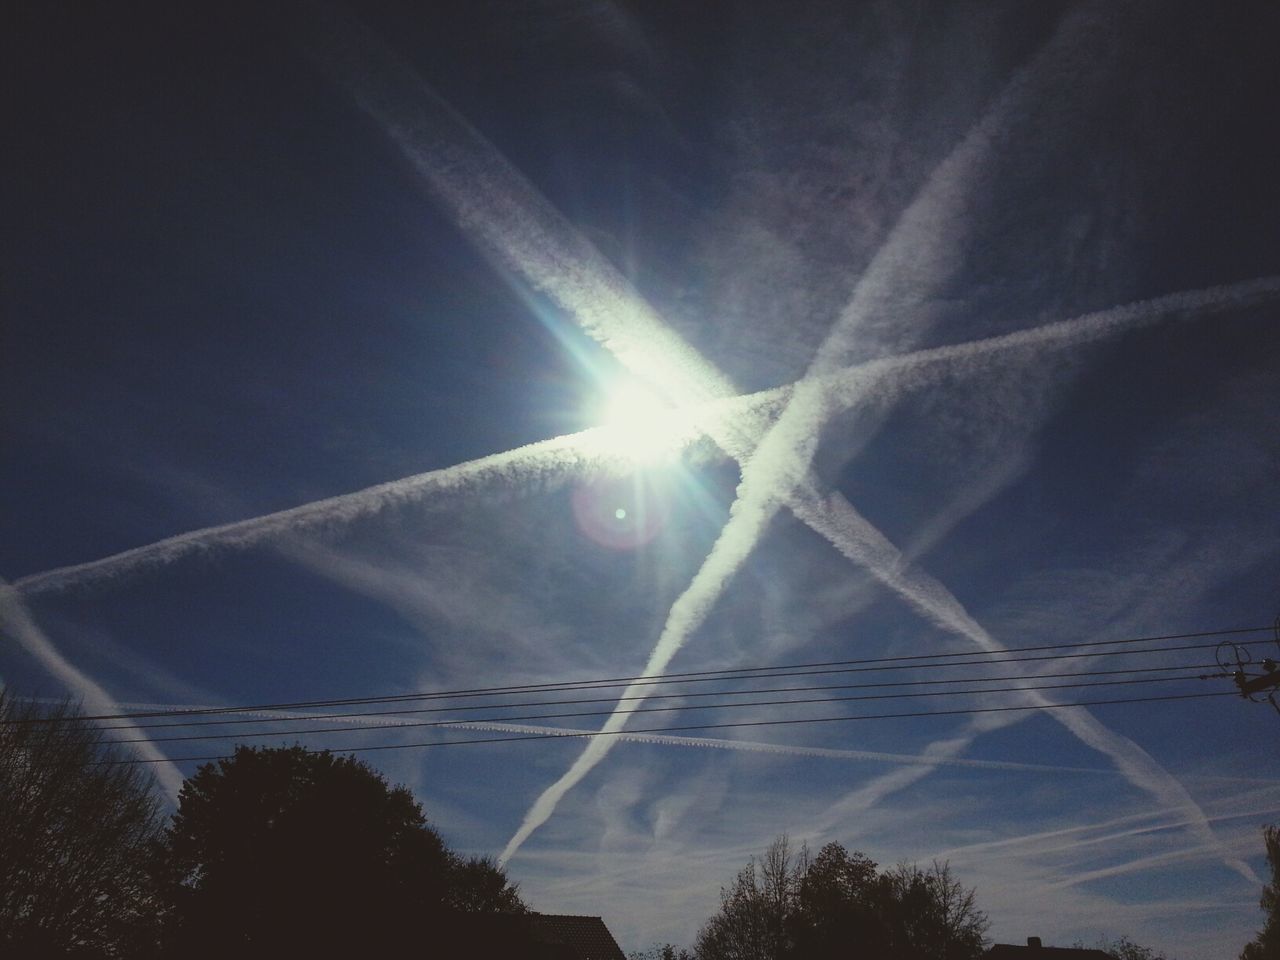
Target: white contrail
{"type": "Point", "coordinates": [1041, 846]}
{"type": "Point", "coordinates": [551, 461]}
{"type": "Point", "coordinates": [514, 222]}
{"type": "Point", "coordinates": [766, 477]}
{"type": "Point", "coordinates": [505, 215]}
{"type": "Point", "coordinates": [927, 759]}
{"type": "Point", "coordinates": [545, 463]}
{"type": "Point", "coordinates": [16, 621]}
{"type": "Point", "coordinates": [781, 461]}
{"type": "Point", "coordinates": [862, 543]}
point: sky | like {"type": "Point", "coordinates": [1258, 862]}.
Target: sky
{"type": "Point", "coordinates": [373, 350]}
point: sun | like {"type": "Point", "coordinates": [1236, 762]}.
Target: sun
{"type": "Point", "coordinates": [641, 424]}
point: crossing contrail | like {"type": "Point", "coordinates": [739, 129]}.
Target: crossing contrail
{"type": "Point", "coordinates": [553, 461]}
{"type": "Point", "coordinates": [778, 466]}
{"type": "Point", "coordinates": [861, 542]}
{"type": "Point", "coordinates": [516, 225]}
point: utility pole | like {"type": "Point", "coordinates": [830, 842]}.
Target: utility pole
{"type": "Point", "coordinates": [1234, 658]}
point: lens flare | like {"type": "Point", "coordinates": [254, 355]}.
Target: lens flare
{"type": "Point", "coordinates": [621, 513]}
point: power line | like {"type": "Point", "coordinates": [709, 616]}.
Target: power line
{"type": "Point", "coordinates": [701, 726]}
{"type": "Point", "coordinates": [580, 714]}
{"type": "Point", "coordinates": [871, 664]}
{"type": "Point", "coordinates": [656, 696]}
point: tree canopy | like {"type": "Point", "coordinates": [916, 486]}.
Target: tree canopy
{"type": "Point", "coordinates": [74, 829]}
{"type": "Point", "coordinates": [1266, 945]}
{"type": "Point", "coordinates": [286, 852]}
{"type": "Point", "coordinates": [838, 905]}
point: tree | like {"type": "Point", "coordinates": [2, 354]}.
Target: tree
{"type": "Point", "coordinates": [840, 907]}
{"type": "Point", "coordinates": [1123, 948]}
{"type": "Point", "coordinates": [661, 951]}
{"type": "Point", "coordinates": [754, 912]}
{"type": "Point", "coordinates": [478, 885]}
{"type": "Point", "coordinates": [74, 831]}
{"type": "Point", "coordinates": [837, 905]}
{"type": "Point", "coordinates": [286, 852]}
{"type": "Point", "coordinates": [1266, 945]}
{"type": "Point", "coordinates": [932, 916]}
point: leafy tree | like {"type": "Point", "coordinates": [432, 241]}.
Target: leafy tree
{"type": "Point", "coordinates": [931, 915]}
{"type": "Point", "coordinates": [285, 852]}
{"type": "Point", "coordinates": [661, 951]}
{"type": "Point", "coordinates": [1266, 945]}
{"type": "Point", "coordinates": [1125, 949]}
{"type": "Point", "coordinates": [478, 885]}
{"type": "Point", "coordinates": [837, 905]}
{"type": "Point", "coordinates": [756, 909]}
{"type": "Point", "coordinates": [74, 830]}
{"type": "Point", "coordinates": [841, 905]}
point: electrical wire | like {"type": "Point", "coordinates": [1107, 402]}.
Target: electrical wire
{"type": "Point", "coordinates": [568, 735]}
{"type": "Point", "coordinates": [579, 714]}
{"type": "Point", "coordinates": [656, 696]}
{"type": "Point", "coordinates": [872, 664]}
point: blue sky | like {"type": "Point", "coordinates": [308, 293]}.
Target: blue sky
{"type": "Point", "coordinates": [958, 333]}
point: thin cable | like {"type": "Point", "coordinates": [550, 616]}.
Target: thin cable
{"type": "Point", "coordinates": [702, 726]}
{"type": "Point", "coordinates": [415, 711]}
{"type": "Point", "coordinates": [578, 714]}
{"type": "Point", "coordinates": [910, 662]}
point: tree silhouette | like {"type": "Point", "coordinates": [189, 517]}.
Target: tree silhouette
{"type": "Point", "coordinates": [73, 836]}
{"type": "Point", "coordinates": [837, 905]}
{"type": "Point", "coordinates": [1122, 948]}
{"type": "Point", "coordinates": [288, 852]}
{"type": "Point", "coordinates": [1266, 945]}
{"type": "Point", "coordinates": [752, 923]}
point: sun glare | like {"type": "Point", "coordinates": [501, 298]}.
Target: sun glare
{"type": "Point", "coordinates": [642, 423]}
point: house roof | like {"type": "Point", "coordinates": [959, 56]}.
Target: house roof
{"type": "Point", "coordinates": [586, 938]}
{"type": "Point", "coordinates": [1009, 951]}
{"type": "Point", "coordinates": [533, 936]}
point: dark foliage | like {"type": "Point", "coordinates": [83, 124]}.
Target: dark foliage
{"type": "Point", "coordinates": [285, 852]}
{"type": "Point", "coordinates": [1266, 945]}
{"type": "Point", "coordinates": [1123, 948]}
{"type": "Point", "coordinates": [73, 836]}
{"type": "Point", "coordinates": [661, 951]}
{"type": "Point", "coordinates": [837, 905]}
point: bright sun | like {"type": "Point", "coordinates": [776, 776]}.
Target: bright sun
{"type": "Point", "coordinates": [642, 422]}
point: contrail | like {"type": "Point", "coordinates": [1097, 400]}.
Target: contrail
{"type": "Point", "coordinates": [490, 200]}
{"type": "Point", "coordinates": [866, 546]}
{"type": "Point", "coordinates": [516, 224]}
{"type": "Point", "coordinates": [16, 620]}
{"type": "Point", "coordinates": [549, 462]}
{"type": "Point", "coordinates": [781, 461]}
{"type": "Point", "coordinates": [662, 739]}
{"type": "Point", "coordinates": [505, 215]}
{"type": "Point", "coordinates": [1161, 822]}
{"type": "Point", "coordinates": [767, 476]}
